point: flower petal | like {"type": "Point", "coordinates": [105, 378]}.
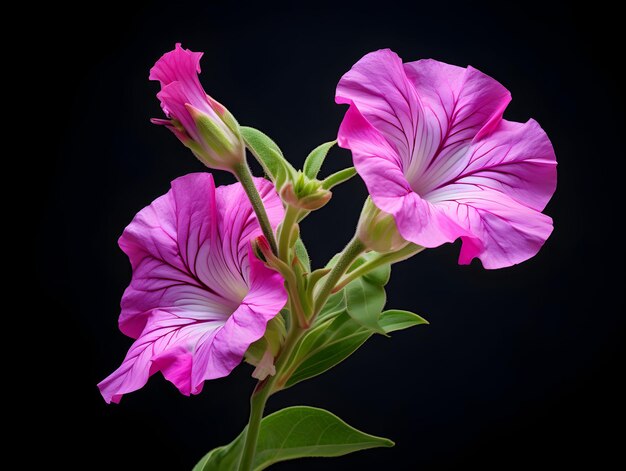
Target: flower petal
{"type": "Point", "coordinates": [464, 103]}
{"type": "Point", "coordinates": [423, 223]}
{"type": "Point", "coordinates": [189, 352]}
{"type": "Point", "coordinates": [375, 159]}
{"type": "Point", "coordinates": [173, 100]}
{"type": "Point", "coordinates": [199, 225]}
{"type": "Point", "coordinates": [157, 285]}
{"type": "Point", "coordinates": [163, 243]}
{"type": "Point", "coordinates": [267, 296]}
{"type": "Point", "coordinates": [378, 87]}
{"type": "Point", "coordinates": [168, 345]}
{"type": "Point", "coordinates": [508, 179]}
{"type": "Point", "coordinates": [190, 256]}
{"type": "Point", "coordinates": [181, 66]}
{"type": "Point", "coordinates": [502, 232]}
{"type": "Point", "coordinates": [427, 110]}
{"type": "Point", "coordinates": [516, 159]}
{"type": "Point", "coordinates": [237, 225]}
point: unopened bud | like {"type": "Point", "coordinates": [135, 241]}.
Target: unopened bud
{"type": "Point", "coordinates": [378, 231]}
{"type": "Point", "coordinates": [305, 193]}
{"type": "Point", "coordinates": [216, 141]}
{"type": "Point", "coordinates": [201, 123]}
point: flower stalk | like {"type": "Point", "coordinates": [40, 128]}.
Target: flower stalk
{"type": "Point", "coordinates": [383, 259]}
{"type": "Point", "coordinates": [285, 233]}
{"type": "Point", "coordinates": [263, 390]}
{"type": "Point", "coordinates": [243, 174]}
{"type": "Point", "coordinates": [354, 248]}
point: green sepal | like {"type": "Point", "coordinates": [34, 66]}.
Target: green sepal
{"type": "Point", "coordinates": [303, 255]}
{"type": "Point", "coordinates": [315, 159]}
{"type": "Point", "coordinates": [338, 177]}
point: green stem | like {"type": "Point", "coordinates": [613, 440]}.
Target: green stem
{"type": "Point", "coordinates": [257, 406]}
{"type": "Point", "coordinates": [284, 235]}
{"type": "Point", "coordinates": [367, 267]}
{"type": "Point", "coordinates": [261, 393]}
{"type": "Point", "coordinates": [243, 174]}
{"type": "Point", "coordinates": [354, 248]}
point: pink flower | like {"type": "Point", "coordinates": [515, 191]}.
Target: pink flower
{"type": "Point", "coordinates": [429, 140]}
{"type": "Point", "coordinates": [201, 123]}
{"type": "Point", "coordinates": [198, 296]}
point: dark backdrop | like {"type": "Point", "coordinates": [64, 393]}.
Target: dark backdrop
{"type": "Point", "coordinates": [518, 368]}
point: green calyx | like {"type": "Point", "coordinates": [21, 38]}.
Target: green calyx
{"type": "Point", "coordinates": [221, 145]}
{"type": "Point", "coordinates": [225, 115]}
{"type": "Point", "coordinates": [378, 230]}
{"type": "Point", "coordinates": [213, 134]}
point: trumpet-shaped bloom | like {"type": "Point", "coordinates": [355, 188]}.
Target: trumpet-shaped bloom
{"type": "Point", "coordinates": [430, 143]}
{"type": "Point", "coordinates": [198, 296]}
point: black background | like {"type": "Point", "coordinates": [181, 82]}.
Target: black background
{"type": "Point", "coordinates": [518, 368]}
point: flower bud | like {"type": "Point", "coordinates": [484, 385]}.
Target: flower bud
{"type": "Point", "coordinates": [216, 143]}
{"type": "Point", "coordinates": [201, 123]}
{"type": "Point", "coordinates": [305, 193]}
{"type": "Point", "coordinates": [378, 230]}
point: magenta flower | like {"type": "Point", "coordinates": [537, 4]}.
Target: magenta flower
{"type": "Point", "coordinates": [201, 123]}
{"type": "Point", "coordinates": [430, 143]}
{"type": "Point", "coordinates": [198, 296]}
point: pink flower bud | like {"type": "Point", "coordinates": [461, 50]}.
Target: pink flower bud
{"type": "Point", "coordinates": [201, 123]}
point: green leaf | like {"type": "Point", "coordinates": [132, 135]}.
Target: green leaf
{"type": "Point", "coordinates": [218, 457]}
{"type": "Point", "coordinates": [379, 275]}
{"type": "Point", "coordinates": [308, 345]}
{"type": "Point", "coordinates": [365, 301]}
{"type": "Point", "coordinates": [294, 432]}
{"type": "Point", "coordinates": [268, 155]}
{"type": "Point", "coordinates": [364, 297]}
{"type": "Point", "coordinates": [315, 159]}
{"type": "Point", "coordinates": [396, 319]}
{"type": "Point", "coordinates": [335, 305]}
{"type": "Point", "coordinates": [336, 338]}
{"type": "Point", "coordinates": [338, 177]}
{"type": "Point", "coordinates": [222, 458]}
{"type": "Point", "coordinates": [259, 140]}
{"type": "Point", "coordinates": [327, 345]}
{"type": "Point", "coordinates": [321, 333]}
{"type": "Point", "coordinates": [303, 255]}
